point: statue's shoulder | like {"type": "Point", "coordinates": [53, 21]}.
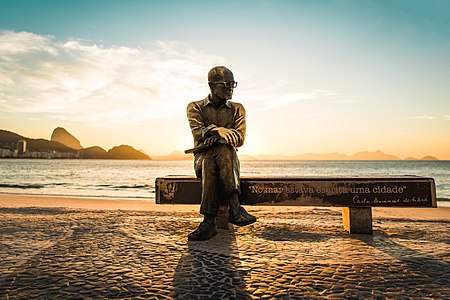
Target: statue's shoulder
{"type": "Point", "coordinates": [196, 103]}
{"type": "Point", "coordinates": [236, 105]}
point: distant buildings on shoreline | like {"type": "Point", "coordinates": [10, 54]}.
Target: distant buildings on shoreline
{"type": "Point", "coordinates": [22, 152]}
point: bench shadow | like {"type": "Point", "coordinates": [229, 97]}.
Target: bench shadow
{"type": "Point", "coordinates": [293, 235]}
{"type": "Point", "coordinates": [432, 269]}
{"type": "Point", "coordinates": [418, 234]}
{"type": "Point", "coordinates": [211, 270]}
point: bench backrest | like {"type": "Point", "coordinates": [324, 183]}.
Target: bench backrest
{"type": "Point", "coordinates": [395, 191]}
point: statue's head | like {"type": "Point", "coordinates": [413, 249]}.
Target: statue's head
{"type": "Point", "coordinates": [221, 82]}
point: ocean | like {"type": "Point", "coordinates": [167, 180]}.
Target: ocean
{"type": "Point", "coordinates": [135, 179]}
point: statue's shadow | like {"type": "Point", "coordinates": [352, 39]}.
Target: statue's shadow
{"type": "Point", "coordinates": [211, 269]}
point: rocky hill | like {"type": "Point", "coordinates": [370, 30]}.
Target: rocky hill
{"type": "Point", "coordinates": [125, 152]}
{"type": "Point", "coordinates": [429, 158]}
{"type": "Point", "coordinates": [64, 137]}
{"type": "Point", "coordinates": [95, 152]}
{"type": "Point", "coordinates": [119, 152]}
{"type": "Point", "coordinates": [8, 140]}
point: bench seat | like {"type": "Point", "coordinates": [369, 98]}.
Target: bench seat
{"type": "Point", "coordinates": [357, 195]}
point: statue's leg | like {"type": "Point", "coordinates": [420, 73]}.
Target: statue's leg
{"type": "Point", "coordinates": [205, 168]}
{"type": "Point", "coordinates": [210, 201]}
{"type": "Point", "coordinates": [228, 163]}
{"type": "Point", "coordinates": [229, 173]}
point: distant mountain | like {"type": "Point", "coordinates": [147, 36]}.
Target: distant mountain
{"type": "Point", "coordinates": [322, 156]}
{"type": "Point", "coordinates": [411, 158]}
{"type": "Point", "coordinates": [9, 140]}
{"type": "Point", "coordinates": [8, 137]}
{"type": "Point", "coordinates": [64, 137]}
{"type": "Point", "coordinates": [423, 158]}
{"type": "Point", "coordinates": [429, 158]}
{"type": "Point", "coordinates": [93, 153]}
{"type": "Point", "coordinates": [125, 152]}
{"type": "Point", "coordinates": [119, 152]}
{"type": "Point", "coordinates": [174, 155]}
{"type": "Point", "coordinates": [364, 155]}
{"type": "Point", "coordinates": [377, 155]}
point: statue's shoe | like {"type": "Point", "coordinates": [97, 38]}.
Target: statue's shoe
{"type": "Point", "coordinates": [204, 232]}
{"type": "Point", "coordinates": [240, 217]}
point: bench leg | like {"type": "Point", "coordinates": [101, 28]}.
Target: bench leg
{"type": "Point", "coordinates": [222, 217]}
{"type": "Point", "coordinates": [357, 219]}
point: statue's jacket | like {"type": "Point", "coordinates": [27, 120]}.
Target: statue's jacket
{"type": "Point", "coordinates": [204, 116]}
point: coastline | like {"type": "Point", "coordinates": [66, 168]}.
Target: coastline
{"type": "Point", "coordinates": [19, 201]}
{"type": "Point", "coordinates": [22, 201]}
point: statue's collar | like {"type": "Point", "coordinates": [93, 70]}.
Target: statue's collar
{"type": "Point", "coordinates": [208, 101]}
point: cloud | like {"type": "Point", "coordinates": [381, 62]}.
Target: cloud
{"type": "Point", "coordinates": [282, 100]}
{"type": "Point", "coordinates": [447, 117]}
{"type": "Point", "coordinates": [98, 85]}
{"type": "Point", "coordinates": [423, 117]}
{"type": "Point", "coordinates": [273, 97]}
{"type": "Point", "coordinates": [103, 86]}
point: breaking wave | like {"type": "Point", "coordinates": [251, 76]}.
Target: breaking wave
{"type": "Point", "coordinates": [21, 186]}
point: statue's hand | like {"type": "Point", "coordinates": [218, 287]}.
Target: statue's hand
{"type": "Point", "coordinates": [234, 140]}
{"type": "Point", "coordinates": [211, 140]}
{"type": "Point", "coordinates": [231, 137]}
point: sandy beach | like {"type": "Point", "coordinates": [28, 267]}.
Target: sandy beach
{"type": "Point", "coordinates": [59, 247]}
{"type": "Point", "coordinates": [17, 201]}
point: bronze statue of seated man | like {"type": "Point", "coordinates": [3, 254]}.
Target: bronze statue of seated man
{"type": "Point", "coordinates": [218, 127]}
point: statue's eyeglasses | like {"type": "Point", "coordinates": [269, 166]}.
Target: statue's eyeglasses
{"type": "Point", "coordinates": [228, 85]}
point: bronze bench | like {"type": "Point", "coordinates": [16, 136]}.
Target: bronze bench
{"type": "Point", "coordinates": [357, 195]}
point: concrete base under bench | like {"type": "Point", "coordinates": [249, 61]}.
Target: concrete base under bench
{"type": "Point", "coordinates": [357, 219]}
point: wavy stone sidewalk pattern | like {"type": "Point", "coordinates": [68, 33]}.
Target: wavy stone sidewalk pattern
{"type": "Point", "coordinates": [76, 254]}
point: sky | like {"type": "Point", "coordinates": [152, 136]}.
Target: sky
{"type": "Point", "coordinates": [320, 76]}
